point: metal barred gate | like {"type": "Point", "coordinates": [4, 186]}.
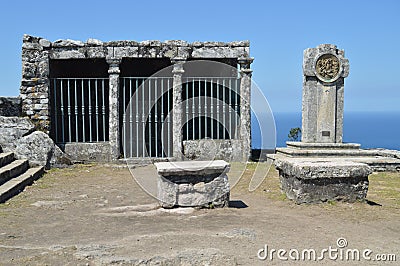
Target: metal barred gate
{"type": "Point", "coordinates": [210, 109]}
{"type": "Point", "coordinates": [80, 110]}
{"type": "Point", "coordinates": [146, 116]}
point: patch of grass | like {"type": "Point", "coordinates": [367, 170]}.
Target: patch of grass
{"type": "Point", "coordinates": [384, 189]}
{"type": "Point", "coordinates": [331, 202]}
{"type": "Point", "coordinates": [270, 186]}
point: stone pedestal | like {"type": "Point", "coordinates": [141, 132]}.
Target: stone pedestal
{"type": "Point", "coordinates": [193, 184]}
{"type": "Point", "coordinates": [307, 180]}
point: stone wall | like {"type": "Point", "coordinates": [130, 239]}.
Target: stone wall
{"type": "Point", "coordinates": [213, 149]}
{"type": "Point", "coordinates": [38, 52]}
{"type": "Point", "coordinates": [10, 106]}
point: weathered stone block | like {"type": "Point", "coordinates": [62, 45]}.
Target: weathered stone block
{"type": "Point", "coordinates": [12, 129]}
{"type": "Point", "coordinates": [67, 43]}
{"type": "Point", "coordinates": [96, 52]}
{"type": "Point", "coordinates": [120, 52]}
{"type": "Point", "coordinates": [218, 52]}
{"type": "Point", "coordinates": [10, 106]}
{"type": "Point", "coordinates": [40, 149]}
{"type": "Point", "coordinates": [213, 149]}
{"type": "Point", "coordinates": [193, 184]}
{"type": "Point", "coordinates": [88, 152]}
{"type": "Point", "coordinates": [319, 180]}
{"type": "Point", "coordinates": [63, 53]}
{"type": "Point", "coordinates": [94, 42]}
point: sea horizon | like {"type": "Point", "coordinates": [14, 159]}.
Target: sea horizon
{"type": "Point", "coordinates": [371, 129]}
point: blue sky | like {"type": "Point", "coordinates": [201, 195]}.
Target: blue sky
{"type": "Point", "coordinates": [279, 31]}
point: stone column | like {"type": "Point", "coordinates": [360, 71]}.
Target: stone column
{"type": "Point", "coordinates": [114, 134]}
{"type": "Point", "coordinates": [324, 70]}
{"type": "Point", "coordinates": [177, 107]}
{"type": "Point", "coordinates": [245, 101]}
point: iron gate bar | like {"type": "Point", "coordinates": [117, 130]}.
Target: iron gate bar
{"type": "Point", "coordinates": [69, 112]}
{"type": "Point", "coordinates": [137, 116]}
{"type": "Point", "coordinates": [90, 113]}
{"type": "Point", "coordinates": [83, 112]}
{"type": "Point", "coordinates": [130, 118]}
{"type": "Point", "coordinates": [169, 118]}
{"type": "Point", "coordinates": [149, 115]}
{"type": "Point", "coordinates": [55, 108]}
{"type": "Point", "coordinates": [199, 109]}
{"type": "Point", "coordinates": [212, 108]}
{"type": "Point", "coordinates": [62, 112]}
{"type": "Point", "coordinates": [155, 116]}
{"type": "Point", "coordinates": [205, 108]}
{"type": "Point", "coordinates": [143, 93]}
{"type": "Point", "coordinates": [76, 111]}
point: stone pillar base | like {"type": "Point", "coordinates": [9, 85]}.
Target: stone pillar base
{"type": "Point", "coordinates": [193, 184]}
{"type": "Point", "coordinates": [320, 180]}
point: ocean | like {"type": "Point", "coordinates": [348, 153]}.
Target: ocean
{"type": "Point", "coordinates": [370, 129]}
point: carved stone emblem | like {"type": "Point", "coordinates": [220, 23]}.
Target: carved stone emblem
{"type": "Point", "coordinates": [327, 67]}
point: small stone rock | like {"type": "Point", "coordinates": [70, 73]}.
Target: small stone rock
{"type": "Point", "coordinates": [45, 43]}
{"type": "Point", "coordinates": [12, 129]}
{"type": "Point", "coordinates": [40, 149]}
{"type": "Point", "coordinates": [94, 42]}
{"type": "Point", "coordinates": [67, 43]}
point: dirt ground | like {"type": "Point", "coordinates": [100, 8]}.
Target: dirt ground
{"type": "Point", "coordinates": [98, 215]}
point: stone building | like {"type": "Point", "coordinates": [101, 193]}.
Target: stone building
{"type": "Point", "coordinates": [96, 100]}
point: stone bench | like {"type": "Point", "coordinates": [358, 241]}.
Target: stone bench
{"type": "Point", "coordinates": [193, 184]}
{"type": "Point", "coordinates": [313, 180]}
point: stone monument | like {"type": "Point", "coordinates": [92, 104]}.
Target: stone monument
{"type": "Point", "coordinates": [317, 169]}
{"type": "Point", "coordinates": [324, 70]}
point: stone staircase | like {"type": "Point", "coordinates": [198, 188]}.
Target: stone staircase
{"type": "Point", "coordinates": [15, 175]}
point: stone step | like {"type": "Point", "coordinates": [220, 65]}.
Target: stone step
{"type": "Point", "coordinates": [6, 158]}
{"type": "Point", "coordinates": [320, 146]}
{"type": "Point", "coordinates": [17, 184]}
{"type": "Point", "coordinates": [324, 152]}
{"type": "Point", "coordinates": [12, 170]}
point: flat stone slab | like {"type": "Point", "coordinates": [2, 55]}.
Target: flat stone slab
{"type": "Point", "coordinates": [324, 152]}
{"type": "Point", "coordinates": [322, 168]}
{"type": "Point", "coordinates": [306, 145]}
{"type": "Point", "coordinates": [313, 180]}
{"type": "Point", "coordinates": [193, 184]}
{"type": "Point", "coordinates": [191, 167]}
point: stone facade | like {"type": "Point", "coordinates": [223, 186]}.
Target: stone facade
{"type": "Point", "coordinates": [37, 54]}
